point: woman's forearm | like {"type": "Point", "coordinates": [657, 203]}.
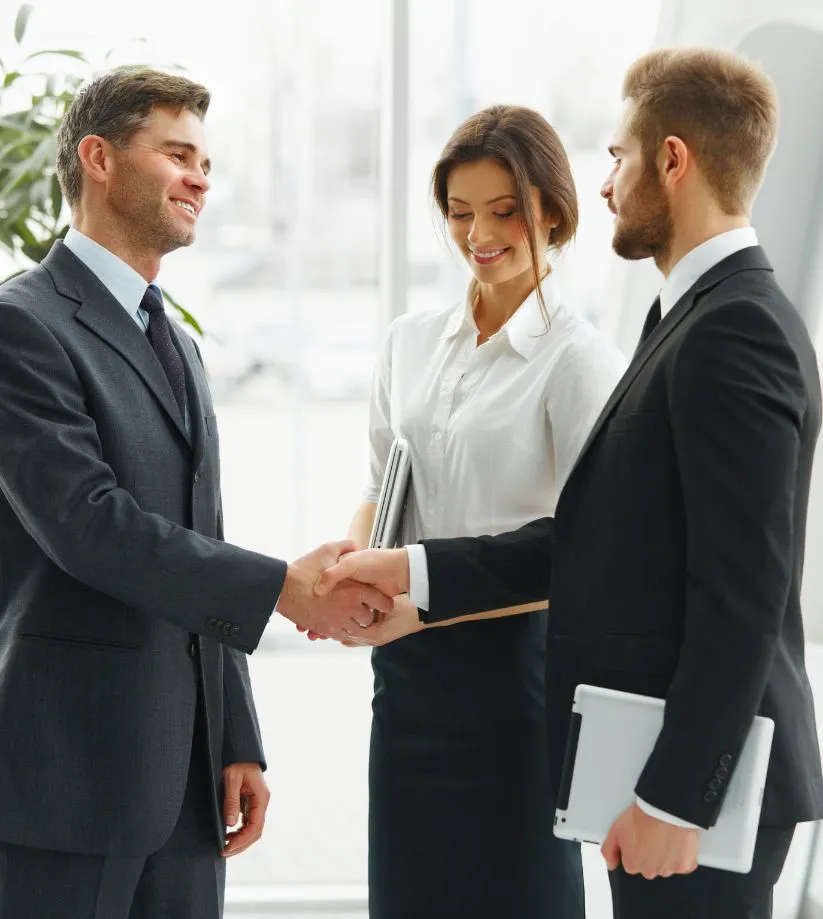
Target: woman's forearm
{"type": "Point", "coordinates": [493, 613]}
{"type": "Point", "coordinates": [361, 524]}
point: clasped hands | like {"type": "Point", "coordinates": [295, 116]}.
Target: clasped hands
{"type": "Point", "coordinates": [353, 597]}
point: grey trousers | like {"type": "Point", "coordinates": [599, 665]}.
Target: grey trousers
{"type": "Point", "coordinates": [185, 879]}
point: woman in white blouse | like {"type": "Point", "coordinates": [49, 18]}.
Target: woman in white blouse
{"type": "Point", "coordinates": [495, 396]}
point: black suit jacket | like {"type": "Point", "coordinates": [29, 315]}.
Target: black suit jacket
{"type": "Point", "coordinates": [674, 561]}
{"type": "Point", "coordinates": [117, 594]}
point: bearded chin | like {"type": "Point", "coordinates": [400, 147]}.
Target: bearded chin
{"type": "Point", "coordinates": [644, 241]}
{"type": "Point", "coordinates": [633, 243]}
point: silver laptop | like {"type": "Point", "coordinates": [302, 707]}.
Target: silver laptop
{"type": "Point", "coordinates": [611, 737]}
{"type": "Point", "coordinates": [393, 494]}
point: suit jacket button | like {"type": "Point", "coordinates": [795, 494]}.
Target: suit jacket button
{"type": "Point", "coordinates": [726, 759]}
{"type": "Point", "coordinates": [235, 630]}
{"type": "Point", "coordinates": [227, 629]}
{"type": "Point", "coordinates": [710, 796]}
{"type": "Point", "coordinates": [211, 623]}
{"type": "Point", "coordinates": [721, 773]}
{"type": "Point", "coordinates": [218, 624]}
{"type": "Point", "coordinates": [715, 784]}
{"type": "Point", "coordinates": [196, 477]}
{"type": "Point", "coordinates": [193, 648]}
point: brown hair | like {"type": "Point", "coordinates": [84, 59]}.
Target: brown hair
{"type": "Point", "coordinates": [528, 146]}
{"type": "Point", "coordinates": [115, 106]}
{"type": "Point", "coordinates": [721, 105]}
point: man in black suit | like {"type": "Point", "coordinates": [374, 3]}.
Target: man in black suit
{"type": "Point", "coordinates": [674, 561]}
{"type": "Point", "coordinates": [128, 736]}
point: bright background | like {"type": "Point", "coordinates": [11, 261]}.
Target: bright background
{"type": "Point", "coordinates": [285, 277]}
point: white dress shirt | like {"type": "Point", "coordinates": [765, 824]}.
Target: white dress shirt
{"type": "Point", "coordinates": [493, 430]}
{"type": "Point", "coordinates": [681, 278]}
{"type": "Point", "coordinates": [696, 263]}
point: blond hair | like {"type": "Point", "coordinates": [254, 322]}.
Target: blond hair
{"type": "Point", "coordinates": [720, 104]}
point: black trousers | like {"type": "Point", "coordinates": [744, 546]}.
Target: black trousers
{"type": "Point", "coordinates": [185, 879]}
{"type": "Point", "coordinates": [707, 893]}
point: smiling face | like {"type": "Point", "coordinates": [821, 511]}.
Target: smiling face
{"type": "Point", "coordinates": [633, 191]}
{"type": "Point", "coordinates": [484, 222]}
{"type": "Point", "coordinates": [160, 180]}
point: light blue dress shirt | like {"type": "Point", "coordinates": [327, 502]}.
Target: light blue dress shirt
{"type": "Point", "coordinates": [121, 280]}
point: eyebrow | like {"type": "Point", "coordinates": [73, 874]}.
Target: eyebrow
{"type": "Point", "coordinates": [190, 147]}
{"type": "Point", "coordinates": [490, 201]}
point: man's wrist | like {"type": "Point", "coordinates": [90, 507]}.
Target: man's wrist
{"type": "Point", "coordinates": [285, 602]}
{"type": "Point", "coordinates": [658, 814]}
{"type": "Point", "coordinates": [418, 575]}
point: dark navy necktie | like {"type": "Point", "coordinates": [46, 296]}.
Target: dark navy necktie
{"type": "Point", "coordinates": [160, 338]}
{"type": "Point", "coordinates": [651, 322]}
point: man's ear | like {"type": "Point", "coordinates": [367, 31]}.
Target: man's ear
{"type": "Point", "coordinates": [95, 154]}
{"type": "Point", "coordinates": [673, 160]}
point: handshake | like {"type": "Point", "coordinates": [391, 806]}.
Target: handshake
{"type": "Point", "coordinates": [353, 597]}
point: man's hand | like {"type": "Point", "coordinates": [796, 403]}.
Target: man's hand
{"type": "Point", "coordinates": [336, 612]}
{"type": "Point", "coordinates": [246, 797]}
{"type": "Point", "coordinates": [648, 846]}
{"type": "Point", "coordinates": [385, 569]}
{"type": "Point", "coordinates": [401, 621]}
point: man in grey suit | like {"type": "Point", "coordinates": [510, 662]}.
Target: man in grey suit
{"type": "Point", "coordinates": [129, 740]}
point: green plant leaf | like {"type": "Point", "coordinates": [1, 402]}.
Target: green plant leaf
{"type": "Point", "coordinates": [25, 234]}
{"type": "Point", "coordinates": [56, 198]}
{"type": "Point", "coordinates": [185, 315]}
{"type": "Point", "coordinates": [36, 252]}
{"type": "Point", "coordinates": [10, 78]}
{"type": "Point", "coordinates": [22, 21]}
{"type": "Point", "coordinates": [63, 52]}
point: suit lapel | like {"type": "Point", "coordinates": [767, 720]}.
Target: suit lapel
{"type": "Point", "coordinates": [100, 312]}
{"type": "Point", "coordinates": [751, 258]}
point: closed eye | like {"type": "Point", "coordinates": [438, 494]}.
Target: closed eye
{"type": "Point", "coordinates": [456, 216]}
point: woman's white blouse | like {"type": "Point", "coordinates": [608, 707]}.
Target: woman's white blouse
{"type": "Point", "coordinates": [493, 430]}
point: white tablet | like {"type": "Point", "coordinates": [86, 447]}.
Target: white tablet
{"type": "Point", "coordinates": [392, 500]}
{"type": "Point", "coordinates": [611, 737]}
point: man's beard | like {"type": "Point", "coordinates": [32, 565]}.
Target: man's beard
{"type": "Point", "coordinates": [646, 231]}
{"type": "Point", "coordinates": [148, 224]}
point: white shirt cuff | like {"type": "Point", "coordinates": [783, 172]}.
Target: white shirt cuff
{"type": "Point", "coordinates": [418, 576]}
{"type": "Point", "coordinates": [666, 818]}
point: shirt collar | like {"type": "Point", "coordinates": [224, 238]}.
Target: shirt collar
{"type": "Point", "coordinates": [121, 280]}
{"type": "Point", "coordinates": [701, 259]}
{"type": "Point", "coordinates": [522, 329]}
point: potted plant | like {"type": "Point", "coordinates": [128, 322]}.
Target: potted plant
{"type": "Point", "coordinates": [33, 103]}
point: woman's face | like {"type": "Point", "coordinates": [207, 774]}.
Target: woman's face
{"type": "Point", "coordinates": [485, 224]}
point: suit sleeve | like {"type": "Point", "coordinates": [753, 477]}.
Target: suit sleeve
{"type": "Point", "coordinates": [737, 406]}
{"type": "Point", "coordinates": [67, 498]}
{"type": "Point", "coordinates": [472, 574]}
{"type": "Point", "coordinates": [242, 741]}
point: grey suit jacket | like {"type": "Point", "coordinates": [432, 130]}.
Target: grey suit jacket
{"type": "Point", "coordinates": [117, 593]}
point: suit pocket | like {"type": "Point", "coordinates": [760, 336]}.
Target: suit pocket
{"type": "Point", "coordinates": [69, 641]}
